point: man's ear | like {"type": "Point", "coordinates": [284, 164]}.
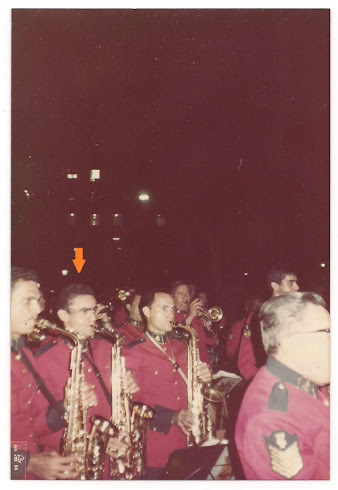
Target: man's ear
{"type": "Point", "coordinates": [275, 287]}
{"type": "Point", "coordinates": [128, 306]}
{"type": "Point", "coordinates": [146, 311]}
{"type": "Point", "coordinates": [63, 315]}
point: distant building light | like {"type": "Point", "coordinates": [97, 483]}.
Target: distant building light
{"type": "Point", "coordinates": [119, 248]}
{"type": "Point", "coordinates": [143, 197]}
{"type": "Point", "coordinates": [71, 218]}
{"type": "Point", "coordinates": [246, 273]}
{"type": "Point", "coordinates": [160, 220]}
{"type": "Point", "coordinates": [52, 290]}
{"type": "Point", "coordinates": [117, 219]}
{"type": "Point", "coordinates": [71, 176]}
{"type": "Point", "coordinates": [64, 272]}
{"type": "Point", "coordinates": [27, 193]}
{"type": "Point", "coordinates": [116, 239]}
{"type": "Point", "coordinates": [94, 175]}
{"type": "Point", "coordinates": [94, 219]}
{"type": "Point", "coordinates": [323, 265]}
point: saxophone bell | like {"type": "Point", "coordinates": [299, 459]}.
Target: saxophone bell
{"type": "Point", "coordinates": [98, 439]}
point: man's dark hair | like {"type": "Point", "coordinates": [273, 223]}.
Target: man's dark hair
{"type": "Point", "coordinates": [18, 273]}
{"type": "Point", "coordinates": [131, 297]}
{"type": "Point", "coordinates": [148, 298]}
{"type": "Point", "coordinates": [70, 292]}
{"type": "Point", "coordinates": [178, 283]}
{"type": "Point", "coordinates": [278, 272]}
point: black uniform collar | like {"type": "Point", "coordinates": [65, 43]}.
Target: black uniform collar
{"type": "Point", "coordinates": [161, 339]}
{"type": "Point", "coordinates": [134, 323]}
{"type": "Point", "coordinates": [17, 344]}
{"type": "Point", "coordinates": [287, 375]}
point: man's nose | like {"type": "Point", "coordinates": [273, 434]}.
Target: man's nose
{"type": "Point", "coordinates": [37, 308]}
{"type": "Point", "coordinates": [296, 287]}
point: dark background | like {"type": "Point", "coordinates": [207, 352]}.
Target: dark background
{"type": "Point", "coordinates": [222, 116]}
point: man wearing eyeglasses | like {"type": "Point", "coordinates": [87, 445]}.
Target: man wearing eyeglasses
{"type": "Point", "coordinates": [76, 308]}
{"type": "Point", "coordinates": [282, 430]}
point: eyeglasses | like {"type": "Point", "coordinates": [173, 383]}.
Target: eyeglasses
{"type": "Point", "coordinates": [84, 311]}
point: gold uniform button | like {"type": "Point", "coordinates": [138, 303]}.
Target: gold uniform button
{"type": "Point", "coordinates": [23, 371]}
{"type": "Point", "coordinates": [175, 383]}
{"type": "Point", "coordinates": [89, 370]}
{"type": "Point", "coordinates": [156, 372]}
{"type": "Point", "coordinates": [155, 429]}
{"type": "Point", "coordinates": [29, 385]}
{"type": "Point", "coordinates": [31, 419]}
{"type": "Point", "coordinates": [31, 435]}
{"type": "Point", "coordinates": [178, 398]}
{"type": "Point", "coordinates": [29, 402]}
{"type": "Point", "coordinates": [326, 403]}
{"type": "Point", "coordinates": [174, 370]}
{"type": "Point", "coordinates": [281, 386]}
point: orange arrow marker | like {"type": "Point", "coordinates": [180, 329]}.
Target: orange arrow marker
{"type": "Point", "coordinates": [79, 261]}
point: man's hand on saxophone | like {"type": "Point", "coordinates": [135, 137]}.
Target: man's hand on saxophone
{"type": "Point", "coordinates": [129, 384]}
{"type": "Point", "coordinates": [89, 398]}
{"type": "Point", "coordinates": [184, 420]}
{"type": "Point", "coordinates": [203, 372]}
{"type": "Point", "coordinates": [51, 466]}
{"type": "Point", "coordinates": [115, 448]}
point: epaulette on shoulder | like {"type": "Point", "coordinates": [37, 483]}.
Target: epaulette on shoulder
{"type": "Point", "coordinates": [279, 398]}
{"type": "Point", "coordinates": [132, 344]}
{"type": "Point", "coordinates": [45, 347]}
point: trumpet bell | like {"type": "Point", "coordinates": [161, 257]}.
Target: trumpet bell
{"type": "Point", "coordinates": [215, 313]}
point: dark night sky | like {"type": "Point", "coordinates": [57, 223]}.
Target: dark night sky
{"type": "Point", "coordinates": [221, 115]}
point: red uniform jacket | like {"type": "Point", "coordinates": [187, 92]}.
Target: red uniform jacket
{"type": "Point", "coordinates": [246, 361]}
{"type": "Point", "coordinates": [130, 330]}
{"type": "Point", "coordinates": [234, 339]}
{"type": "Point", "coordinates": [282, 431]}
{"type": "Point", "coordinates": [53, 359]}
{"type": "Point", "coordinates": [163, 389]}
{"type": "Point", "coordinates": [119, 316]}
{"type": "Point", "coordinates": [29, 412]}
{"type": "Point", "coordinates": [203, 335]}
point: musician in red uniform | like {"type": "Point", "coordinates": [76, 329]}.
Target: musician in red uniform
{"type": "Point", "coordinates": [188, 313]}
{"type": "Point", "coordinates": [282, 430]}
{"type": "Point", "coordinates": [159, 364]}
{"type": "Point", "coordinates": [31, 414]}
{"type": "Point", "coordinates": [76, 308]}
{"type": "Point", "coordinates": [251, 355]}
{"type": "Point", "coordinates": [133, 327]}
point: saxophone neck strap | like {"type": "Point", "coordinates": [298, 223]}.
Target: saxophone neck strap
{"type": "Point", "coordinates": [38, 380]}
{"type": "Point", "coordinates": [99, 377]}
{"type": "Point", "coordinates": [171, 359]}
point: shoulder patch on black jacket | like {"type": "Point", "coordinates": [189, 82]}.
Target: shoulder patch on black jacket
{"type": "Point", "coordinates": [45, 347]}
{"type": "Point", "coordinates": [135, 342]}
{"type": "Point", "coordinates": [279, 398]}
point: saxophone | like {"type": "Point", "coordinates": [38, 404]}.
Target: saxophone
{"type": "Point", "coordinates": [201, 397]}
{"type": "Point", "coordinates": [90, 451]}
{"type": "Point", "coordinates": [131, 419]}
{"type": "Point", "coordinates": [74, 438]}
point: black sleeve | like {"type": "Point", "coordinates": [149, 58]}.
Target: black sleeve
{"type": "Point", "coordinates": [53, 418]}
{"type": "Point", "coordinates": [162, 422]}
